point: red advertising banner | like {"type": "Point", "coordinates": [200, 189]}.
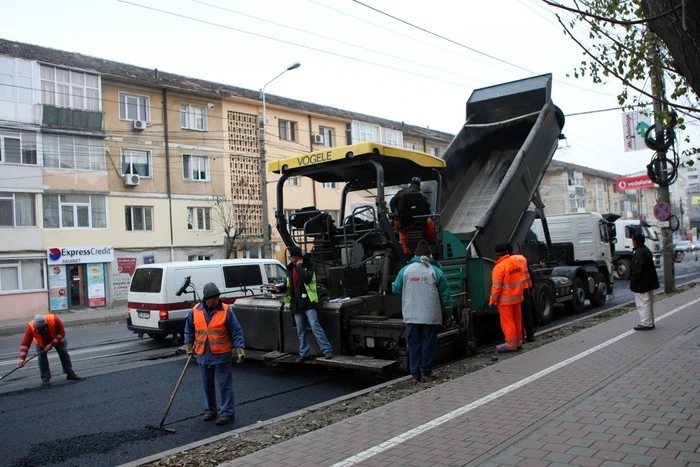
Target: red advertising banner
{"type": "Point", "coordinates": [633, 183]}
{"type": "Point", "coordinates": [126, 265]}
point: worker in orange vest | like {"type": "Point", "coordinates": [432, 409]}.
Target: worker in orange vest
{"type": "Point", "coordinates": [212, 332]}
{"type": "Point", "coordinates": [47, 332]}
{"type": "Point", "coordinates": [506, 294]}
{"type": "Point", "coordinates": [527, 307]}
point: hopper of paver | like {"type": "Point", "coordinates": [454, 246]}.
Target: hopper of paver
{"type": "Point", "coordinates": [497, 160]}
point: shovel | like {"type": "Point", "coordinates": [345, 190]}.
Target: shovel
{"type": "Point", "coordinates": [172, 398]}
{"type": "Point", "coordinates": [25, 362]}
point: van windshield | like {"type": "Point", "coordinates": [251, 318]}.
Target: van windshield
{"type": "Point", "coordinates": [147, 280]}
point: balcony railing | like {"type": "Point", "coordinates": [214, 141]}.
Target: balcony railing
{"type": "Point", "coordinates": [61, 117]}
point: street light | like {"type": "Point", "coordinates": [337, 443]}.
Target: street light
{"type": "Point", "coordinates": [263, 170]}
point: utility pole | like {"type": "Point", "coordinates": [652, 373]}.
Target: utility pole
{"type": "Point", "coordinates": [657, 87]}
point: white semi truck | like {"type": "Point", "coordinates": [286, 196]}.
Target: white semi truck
{"type": "Point", "coordinates": [625, 228]}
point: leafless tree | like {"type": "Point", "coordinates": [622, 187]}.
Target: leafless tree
{"type": "Point", "coordinates": [225, 214]}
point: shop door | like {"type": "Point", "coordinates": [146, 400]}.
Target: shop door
{"type": "Point", "coordinates": [78, 286]}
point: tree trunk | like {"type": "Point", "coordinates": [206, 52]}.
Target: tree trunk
{"type": "Point", "coordinates": [683, 45]}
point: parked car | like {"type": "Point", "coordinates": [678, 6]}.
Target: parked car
{"type": "Point", "coordinates": [684, 246]}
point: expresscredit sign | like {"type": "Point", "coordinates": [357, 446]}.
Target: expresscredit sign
{"type": "Point", "coordinates": [80, 254]}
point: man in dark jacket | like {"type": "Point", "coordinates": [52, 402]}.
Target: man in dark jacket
{"type": "Point", "coordinates": [302, 297]}
{"type": "Point", "coordinates": [643, 281]}
{"type": "Point", "coordinates": [397, 206]}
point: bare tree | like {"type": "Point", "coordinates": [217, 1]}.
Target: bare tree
{"type": "Point", "coordinates": [225, 214]}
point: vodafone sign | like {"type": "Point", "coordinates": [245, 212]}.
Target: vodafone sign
{"type": "Point", "coordinates": [633, 183]}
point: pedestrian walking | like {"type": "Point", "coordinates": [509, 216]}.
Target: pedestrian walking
{"type": "Point", "coordinates": [506, 295]}
{"type": "Point", "coordinates": [48, 333]}
{"type": "Point", "coordinates": [527, 306]}
{"type": "Point", "coordinates": [211, 333]}
{"type": "Point", "coordinates": [425, 305]}
{"type": "Point", "coordinates": [643, 282]}
{"type": "Point", "coordinates": [302, 297]}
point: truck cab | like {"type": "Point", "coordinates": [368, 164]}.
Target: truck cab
{"type": "Point", "coordinates": [623, 248]}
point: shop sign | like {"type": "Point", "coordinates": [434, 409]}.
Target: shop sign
{"type": "Point", "coordinates": [633, 183]}
{"type": "Point", "coordinates": [96, 285]}
{"type": "Point", "coordinates": [80, 254]}
{"type": "Point", "coordinates": [58, 288]}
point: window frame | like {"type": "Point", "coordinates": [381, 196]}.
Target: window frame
{"type": "Point", "coordinates": [14, 209]}
{"type": "Point", "coordinates": [91, 203]}
{"type": "Point", "coordinates": [199, 257]}
{"type": "Point", "coordinates": [188, 176]}
{"type": "Point", "coordinates": [293, 181]}
{"type": "Point", "coordinates": [131, 215]}
{"type": "Point", "coordinates": [150, 162]}
{"type": "Point", "coordinates": [96, 163]}
{"type": "Point", "coordinates": [84, 86]}
{"type": "Point", "coordinates": [328, 135]}
{"type": "Point", "coordinates": [191, 118]}
{"type": "Point", "coordinates": [193, 215]}
{"type": "Point", "coordinates": [18, 265]}
{"type": "Point", "coordinates": [435, 151]}
{"type": "Point", "coordinates": [147, 108]}
{"type": "Point", "coordinates": [330, 185]}
{"type": "Point", "coordinates": [290, 130]}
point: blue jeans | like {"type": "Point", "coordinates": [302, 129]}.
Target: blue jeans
{"type": "Point", "coordinates": [422, 347]}
{"type": "Point", "coordinates": [222, 373]}
{"type": "Point", "coordinates": [44, 361]}
{"type": "Point", "coordinates": [311, 317]}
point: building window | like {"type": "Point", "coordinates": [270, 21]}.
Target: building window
{"type": "Point", "coordinates": [329, 185]}
{"type": "Point", "coordinates": [138, 218]}
{"type": "Point", "coordinates": [75, 211]}
{"type": "Point", "coordinates": [293, 181]}
{"type": "Point", "coordinates": [73, 152]}
{"type": "Point", "coordinates": [392, 137]}
{"type": "Point", "coordinates": [368, 132]}
{"type": "Point", "coordinates": [22, 275]}
{"type": "Point", "coordinates": [288, 130]}
{"type": "Point", "coordinates": [136, 161]}
{"type": "Point", "coordinates": [195, 168]}
{"type": "Point", "coordinates": [199, 258]}
{"type": "Point", "coordinates": [412, 146]}
{"type": "Point", "coordinates": [193, 117]}
{"type": "Point", "coordinates": [134, 107]}
{"type": "Point", "coordinates": [69, 88]}
{"type": "Point", "coordinates": [327, 134]}
{"type": "Point", "coordinates": [17, 210]}
{"type": "Point", "coordinates": [199, 219]}
{"type": "Point", "coordinates": [577, 203]}
{"type": "Point", "coordinates": [15, 80]}
{"type": "Point", "coordinates": [435, 151]}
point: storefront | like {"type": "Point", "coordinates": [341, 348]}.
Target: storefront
{"type": "Point", "coordinates": [77, 276]}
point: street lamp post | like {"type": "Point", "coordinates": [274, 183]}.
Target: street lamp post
{"type": "Point", "coordinates": [263, 169]}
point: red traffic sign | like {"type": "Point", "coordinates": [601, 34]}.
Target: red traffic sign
{"type": "Point", "coordinates": [662, 211]}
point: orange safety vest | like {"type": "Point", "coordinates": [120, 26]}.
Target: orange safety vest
{"type": "Point", "coordinates": [526, 272]}
{"type": "Point", "coordinates": [51, 323]}
{"type": "Point", "coordinates": [216, 332]}
{"type": "Point", "coordinates": [508, 281]}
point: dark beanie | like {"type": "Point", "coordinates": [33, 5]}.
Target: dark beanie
{"type": "Point", "coordinates": [295, 251]}
{"type": "Point", "coordinates": [422, 249]}
{"type": "Point", "coordinates": [210, 291]}
{"type": "Point", "coordinates": [501, 249]}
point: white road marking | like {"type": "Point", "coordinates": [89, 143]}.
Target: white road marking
{"type": "Point", "coordinates": [403, 437]}
{"type": "Point", "coordinates": [13, 362]}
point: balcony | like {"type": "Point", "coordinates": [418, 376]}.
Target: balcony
{"type": "Point", "coordinates": [74, 119]}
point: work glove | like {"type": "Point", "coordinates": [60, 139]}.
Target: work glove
{"type": "Point", "coordinates": [493, 307]}
{"type": "Point", "coordinates": [189, 348]}
{"type": "Point", "coordinates": [241, 354]}
{"type": "Point", "coordinates": [20, 364]}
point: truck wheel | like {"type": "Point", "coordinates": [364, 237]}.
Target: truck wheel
{"type": "Point", "coordinates": [601, 293]}
{"type": "Point", "coordinates": [577, 303]}
{"type": "Point", "coordinates": [623, 267]}
{"type": "Point", "coordinates": [158, 337]}
{"type": "Point", "coordinates": [544, 301]}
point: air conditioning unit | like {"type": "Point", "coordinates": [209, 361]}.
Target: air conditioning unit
{"type": "Point", "coordinates": [132, 179]}
{"type": "Point", "coordinates": [318, 139]}
{"type": "Point", "coordinates": [139, 125]}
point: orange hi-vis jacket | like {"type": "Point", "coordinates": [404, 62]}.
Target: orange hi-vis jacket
{"type": "Point", "coordinates": [54, 334]}
{"type": "Point", "coordinates": [526, 272]}
{"type": "Point", "coordinates": [216, 332]}
{"type": "Point", "coordinates": [508, 281]}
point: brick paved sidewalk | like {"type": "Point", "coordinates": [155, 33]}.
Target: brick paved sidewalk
{"type": "Point", "coordinates": [603, 396]}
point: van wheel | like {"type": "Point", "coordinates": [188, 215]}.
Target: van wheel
{"type": "Point", "coordinates": [158, 337]}
{"type": "Point", "coordinates": [544, 301]}
{"type": "Point", "coordinates": [623, 268]}
{"type": "Point", "coordinates": [577, 303]}
{"type": "Point", "coordinates": [601, 293]}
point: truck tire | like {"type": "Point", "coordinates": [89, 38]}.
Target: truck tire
{"type": "Point", "coordinates": [601, 293]}
{"type": "Point", "coordinates": [623, 266]}
{"type": "Point", "coordinates": [544, 303]}
{"type": "Point", "coordinates": [578, 302]}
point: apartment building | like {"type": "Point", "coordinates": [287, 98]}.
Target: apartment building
{"type": "Point", "coordinates": [105, 166]}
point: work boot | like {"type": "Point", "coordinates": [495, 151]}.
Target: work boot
{"type": "Point", "coordinates": [46, 383]}
{"type": "Point", "coordinates": [73, 377]}
{"type": "Point", "coordinates": [225, 420]}
{"type": "Point", "coordinates": [530, 338]}
{"type": "Point", "coordinates": [302, 359]}
{"type": "Point", "coordinates": [520, 347]}
{"type": "Point", "coordinates": [429, 378]}
{"type": "Point", "coordinates": [209, 416]}
{"type": "Point", "coordinates": [416, 380]}
{"type": "Point", "coordinates": [328, 355]}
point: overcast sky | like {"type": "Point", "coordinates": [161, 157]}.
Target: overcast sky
{"type": "Point", "coordinates": [350, 55]}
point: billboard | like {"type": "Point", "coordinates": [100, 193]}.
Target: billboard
{"type": "Point", "coordinates": [633, 183]}
{"type": "Point", "coordinates": [634, 125]}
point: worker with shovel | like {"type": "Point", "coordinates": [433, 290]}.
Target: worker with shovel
{"type": "Point", "coordinates": [47, 332]}
{"type": "Point", "coordinates": [211, 333]}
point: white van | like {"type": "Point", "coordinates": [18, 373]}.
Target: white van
{"type": "Point", "coordinates": [156, 310]}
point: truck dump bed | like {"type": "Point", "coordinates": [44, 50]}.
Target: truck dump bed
{"type": "Point", "coordinates": [497, 160]}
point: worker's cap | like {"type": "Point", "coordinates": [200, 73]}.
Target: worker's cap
{"type": "Point", "coordinates": [294, 252]}
{"type": "Point", "coordinates": [415, 181]}
{"type": "Point", "coordinates": [39, 322]}
{"type": "Point", "coordinates": [210, 291]}
{"type": "Point", "coordinates": [422, 249]}
{"type": "Point", "coordinates": [501, 249]}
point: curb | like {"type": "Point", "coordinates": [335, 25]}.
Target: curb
{"type": "Point", "coordinates": [15, 329]}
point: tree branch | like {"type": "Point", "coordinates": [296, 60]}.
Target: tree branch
{"type": "Point", "coordinates": [616, 75]}
{"type": "Point", "coordinates": [609, 20]}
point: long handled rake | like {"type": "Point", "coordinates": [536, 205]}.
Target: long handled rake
{"type": "Point", "coordinates": [172, 398]}
{"type": "Point", "coordinates": [25, 362]}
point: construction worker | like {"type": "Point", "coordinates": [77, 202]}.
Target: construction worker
{"type": "Point", "coordinates": [214, 330]}
{"type": "Point", "coordinates": [425, 305]}
{"type": "Point", "coordinates": [302, 297]}
{"type": "Point", "coordinates": [506, 294]}
{"type": "Point", "coordinates": [527, 307]}
{"type": "Point", "coordinates": [397, 208]}
{"type": "Point", "coordinates": [48, 333]}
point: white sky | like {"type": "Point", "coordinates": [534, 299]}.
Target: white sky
{"type": "Point", "coordinates": [522, 32]}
